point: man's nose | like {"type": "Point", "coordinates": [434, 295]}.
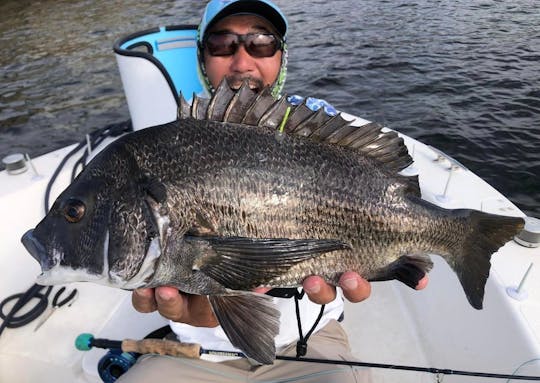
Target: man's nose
{"type": "Point", "coordinates": [242, 61]}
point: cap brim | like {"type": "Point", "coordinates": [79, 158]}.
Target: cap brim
{"type": "Point", "coordinates": [258, 8]}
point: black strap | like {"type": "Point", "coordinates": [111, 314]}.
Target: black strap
{"type": "Point", "coordinates": [301, 345]}
{"type": "Point", "coordinates": [283, 292]}
{"type": "Point", "coordinates": [159, 333]}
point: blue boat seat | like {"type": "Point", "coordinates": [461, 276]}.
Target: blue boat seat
{"type": "Point", "coordinates": [155, 66]}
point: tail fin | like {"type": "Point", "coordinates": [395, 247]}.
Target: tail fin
{"type": "Point", "coordinates": [470, 257]}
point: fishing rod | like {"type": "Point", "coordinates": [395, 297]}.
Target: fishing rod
{"type": "Point", "coordinates": [85, 342]}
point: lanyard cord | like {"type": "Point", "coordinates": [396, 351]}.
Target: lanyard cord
{"type": "Point", "coordinates": [301, 345]}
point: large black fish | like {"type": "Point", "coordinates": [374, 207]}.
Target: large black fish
{"type": "Point", "coordinates": [219, 208]}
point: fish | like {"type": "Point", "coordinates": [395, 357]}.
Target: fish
{"type": "Point", "coordinates": [243, 191]}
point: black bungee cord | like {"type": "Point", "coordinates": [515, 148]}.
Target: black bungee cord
{"type": "Point", "coordinates": [95, 138]}
{"type": "Point", "coordinates": [11, 320]}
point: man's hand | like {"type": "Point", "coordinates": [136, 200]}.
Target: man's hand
{"type": "Point", "coordinates": [355, 288]}
{"type": "Point", "coordinates": [194, 310]}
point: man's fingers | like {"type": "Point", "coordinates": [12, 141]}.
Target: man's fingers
{"type": "Point", "coordinates": [171, 303]}
{"type": "Point", "coordinates": [355, 288]}
{"type": "Point", "coordinates": [318, 290]}
{"type": "Point", "coordinates": [262, 290]}
{"type": "Point", "coordinates": [422, 283]}
{"type": "Point", "coordinates": [143, 300]}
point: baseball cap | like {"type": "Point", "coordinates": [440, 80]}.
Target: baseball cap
{"type": "Point", "coordinates": [219, 9]}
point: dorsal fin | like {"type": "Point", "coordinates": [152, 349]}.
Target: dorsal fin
{"type": "Point", "coordinates": [258, 107]}
{"type": "Point", "coordinates": [218, 104]}
{"type": "Point", "coordinates": [274, 115]}
{"type": "Point", "coordinates": [248, 107]}
{"type": "Point", "coordinates": [239, 103]}
{"type": "Point", "coordinates": [184, 109]}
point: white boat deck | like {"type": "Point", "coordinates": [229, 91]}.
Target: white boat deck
{"type": "Point", "coordinates": [435, 327]}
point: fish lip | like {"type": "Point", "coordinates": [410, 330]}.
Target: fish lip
{"type": "Point", "coordinates": [37, 250]}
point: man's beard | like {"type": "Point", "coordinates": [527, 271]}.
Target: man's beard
{"type": "Point", "coordinates": [235, 82]}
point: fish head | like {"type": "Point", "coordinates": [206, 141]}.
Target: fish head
{"type": "Point", "coordinates": [101, 229]}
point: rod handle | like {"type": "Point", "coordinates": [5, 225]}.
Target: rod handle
{"type": "Point", "coordinates": [162, 347]}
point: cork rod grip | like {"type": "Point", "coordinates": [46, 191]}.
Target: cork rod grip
{"type": "Point", "coordinates": [162, 347]}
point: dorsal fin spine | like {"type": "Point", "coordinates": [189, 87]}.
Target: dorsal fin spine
{"type": "Point", "coordinates": [275, 114]}
{"type": "Point", "coordinates": [194, 104]}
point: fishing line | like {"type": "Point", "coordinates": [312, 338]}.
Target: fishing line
{"type": "Point", "coordinates": [522, 365]}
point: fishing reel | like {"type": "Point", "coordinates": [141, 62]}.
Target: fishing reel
{"type": "Point", "coordinates": [114, 364]}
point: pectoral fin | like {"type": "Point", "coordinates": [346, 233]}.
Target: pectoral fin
{"type": "Point", "coordinates": [250, 321]}
{"type": "Point", "coordinates": [244, 263]}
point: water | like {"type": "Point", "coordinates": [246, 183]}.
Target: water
{"type": "Point", "coordinates": [462, 76]}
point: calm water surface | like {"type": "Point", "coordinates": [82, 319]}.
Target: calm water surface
{"type": "Point", "coordinates": [463, 76]}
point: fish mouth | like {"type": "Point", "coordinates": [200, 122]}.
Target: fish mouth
{"type": "Point", "coordinates": [54, 273]}
{"type": "Point", "coordinates": [37, 250]}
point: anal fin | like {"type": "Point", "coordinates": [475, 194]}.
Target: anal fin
{"type": "Point", "coordinates": [408, 269]}
{"type": "Point", "coordinates": [250, 321]}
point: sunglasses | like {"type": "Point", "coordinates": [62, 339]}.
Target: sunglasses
{"type": "Point", "coordinates": [256, 44]}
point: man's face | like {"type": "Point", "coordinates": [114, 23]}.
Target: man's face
{"type": "Point", "coordinates": [260, 71]}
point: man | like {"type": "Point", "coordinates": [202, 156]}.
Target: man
{"type": "Point", "coordinates": [238, 40]}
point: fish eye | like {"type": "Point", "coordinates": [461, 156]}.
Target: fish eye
{"type": "Point", "coordinates": [74, 210]}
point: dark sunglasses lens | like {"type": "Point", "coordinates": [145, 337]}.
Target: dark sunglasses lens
{"type": "Point", "coordinates": [256, 44]}
{"type": "Point", "coordinates": [223, 44]}
{"type": "Point", "coordinates": [261, 45]}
